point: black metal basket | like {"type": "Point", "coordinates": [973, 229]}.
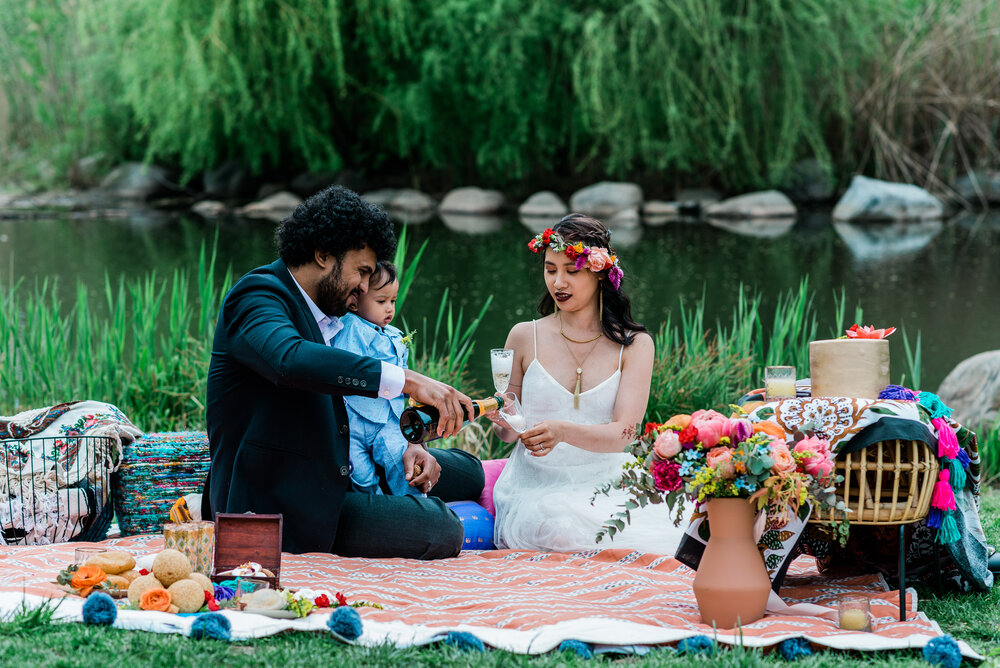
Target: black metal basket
{"type": "Point", "coordinates": [55, 489]}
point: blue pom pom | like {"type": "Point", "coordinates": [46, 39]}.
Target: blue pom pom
{"type": "Point", "coordinates": [794, 649]}
{"type": "Point", "coordinates": [943, 651]}
{"type": "Point", "coordinates": [345, 622]}
{"type": "Point", "coordinates": [100, 609]}
{"type": "Point", "coordinates": [211, 625]}
{"type": "Point", "coordinates": [578, 647]}
{"type": "Point", "coordinates": [464, 641]}
{"type": "Point", "coordinates": [695, 644]}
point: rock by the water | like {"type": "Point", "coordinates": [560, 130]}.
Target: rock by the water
{"type": "Point", "coordinates": [973, 390]}
{"type": "Point", "coordinates": [808, 181]}
{"type": "Point", "coordinates": [766, 204]}
{"type": "Point", "coordinates": [277, 207]}
{"type": "Point", "coordinates": [875, 242]}
{"type": "Point", "coordinates": [472, 201]}
{"type": "Point", "coordinates": [691, 201]}
{"type": "Point", "coordinates": [411, 206]}
{"type": "Point", "coordinates": [981, 186]}
{"type": "Point", "coordinates": [86, 172]}
{"type": "Point", "coordinates": [380, 197]}
{"type": "Point", "coordinates": [230, 181]}
{"type": "Point", "coordinates": [605, 199]}
{"type": "Point", "coordinates": [210, 208]}
{"type": "Point", "coordinates": [134, 180]}
{"type": "Point", "coordinates": [871, 199]}
{"type": "Point", "coordinates": [625, 219]}
{"type": "Point", "coordinates": [543, 204]}
{"type": "Point", "coordinates": [656, 212]}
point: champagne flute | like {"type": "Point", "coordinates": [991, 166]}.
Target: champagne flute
{"type": "Point", "coordinates": [501, 364]}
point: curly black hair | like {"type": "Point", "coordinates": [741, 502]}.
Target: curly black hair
{"type": "Point", "coordinates": [335, 220]}
{"type": "Point", "coordinates": [616, 318]}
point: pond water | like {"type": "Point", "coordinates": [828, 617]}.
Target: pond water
{"type": "Point", "coordinates": [941, 279]}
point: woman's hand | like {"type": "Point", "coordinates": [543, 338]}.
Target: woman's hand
{"type": "Point", "coordinates": [543, 437]}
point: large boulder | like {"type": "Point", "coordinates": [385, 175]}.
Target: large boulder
{"type": "Point", "coordinates": [603, 200]}
{"type": "Point", "coordinates": [877, 242]}
{"type": "Point", "coordinates": [276, 208]}
{"type": "Point", "coordinates": [973, 390]}
{"type": "Point", "coordinates": [764, 228]}
{"type": "Point", "coordinates": [471, 223]}
{"type": "Point", "coordinates": [544, 204]}
{"type": "Point", "coordinates": [135, 180]}
{"type": "Point", "coordinates": [474, 201]}
{"type": "Point", "coordinates": [230, 181]}
{"type": "Point", "coordinates": [411, 206]}
{"type": "Point", "coordinates": [381, 197]}
{"type": "Point", "coordinates": [657, 212]}
{"type": "Point", "coordinates": [871, 199]}
{"type": "Point", "coordinates": [766, 204]}
{"type": "Point", "coordinates": [981, 186]}
{"type": "Point", "coordinates": [86, 172]}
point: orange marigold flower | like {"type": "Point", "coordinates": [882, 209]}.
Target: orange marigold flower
{"type": "Point", "coordinates": [157, 599]}
{"type": "Point", "coordinates": [86, 578]}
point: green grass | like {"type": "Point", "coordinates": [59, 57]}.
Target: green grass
{"type": "Point", "coordinates": [38, 641]}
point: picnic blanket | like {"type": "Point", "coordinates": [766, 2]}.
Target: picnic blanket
{"type": "Point", "coordinates": [525, 602]}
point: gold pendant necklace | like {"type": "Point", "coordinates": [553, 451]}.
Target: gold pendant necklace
{"type": "Point", "coordinates": [579, 371]}
{"type": "Point", "coordinates": [599, 335]}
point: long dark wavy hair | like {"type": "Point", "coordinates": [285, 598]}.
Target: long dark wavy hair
{"type": "Point", "coordinates": [616, 317]}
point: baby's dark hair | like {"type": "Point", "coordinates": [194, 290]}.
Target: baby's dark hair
{"type": "Point", "coordinates": [384, 274]}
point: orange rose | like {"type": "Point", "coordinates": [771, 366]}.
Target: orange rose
{"type": "Point", "coordinates": [681, 421]}
{"type": "Point", "coordinates": [769, 428]}
{"type": "Point", "coordinates": [86, 578]}
{"type": "Point", "coordinates": [155, 599]}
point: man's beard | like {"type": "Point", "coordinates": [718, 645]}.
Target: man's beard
{"type": "Point", "coordinates": [332, 293]}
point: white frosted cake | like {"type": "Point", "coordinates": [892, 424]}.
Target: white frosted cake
{"type": "Point", "coordinates": [856, 368]}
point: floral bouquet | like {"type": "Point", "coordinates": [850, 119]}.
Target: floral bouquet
{"type": "Point", "coordinates": [707, 455]}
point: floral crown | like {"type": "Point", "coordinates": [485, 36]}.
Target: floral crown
{"type": "Point", "coordinates": [594, 258]}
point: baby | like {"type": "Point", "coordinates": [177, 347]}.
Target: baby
{"type": "Point", "coordinates": [376, 442]}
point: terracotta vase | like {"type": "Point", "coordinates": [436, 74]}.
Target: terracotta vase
{"type": "Point", "coordinates": [731, 584]}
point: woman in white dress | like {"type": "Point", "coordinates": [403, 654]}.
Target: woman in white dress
{"type": "Point", "coordinates": [582, 373]}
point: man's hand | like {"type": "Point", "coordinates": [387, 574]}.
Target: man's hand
{"type": "Point", "coordinates": [420, 467]}
{"type": "Point", "coordinates": [453, 406]}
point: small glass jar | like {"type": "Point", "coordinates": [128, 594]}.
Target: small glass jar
{"type": "Point", "coordinates": [854, 612]}
{"type": "Point", "coordinates": [779, 382]}
{"type": "Point", "coordinates": [83, 554]}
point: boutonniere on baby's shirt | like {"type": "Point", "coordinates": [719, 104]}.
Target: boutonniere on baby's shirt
{"type": "Point", "coordinates": [408, 339]}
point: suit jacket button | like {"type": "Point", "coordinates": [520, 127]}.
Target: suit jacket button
{"type": "Point", "coordinates": [345, 429]}
{"type": "Point", "coordinates": [364, 383]}
{"type": "Point", "coordinates": [340, 379]}
{"type": "Point", "coordinates": [355, 381]}
{"type": "Point", "coordinates": [344, 471]}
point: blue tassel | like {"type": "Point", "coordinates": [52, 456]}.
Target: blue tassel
{"type": "Point", "coordinates": [963, 457]}
{"type": "Point", "coordinates": [464, 641]}
{"type": "Point", "coordinates": [345, 622]}
{"type": "Point", "coordinates": [957, 475]}
{"type": "Point", "coordinates": [578, 647]}
{"type": "Point", "coordinates": [948, 533]}
{"type": "Point", "coordinates": [943, 651]}
{"type": "Point", "coordinates": [695, 645]}
{"type": "Point", "coordinates": [100, 609]}
{"type": "Point", "coordinates": [212, 625]}
{"type": "Point", "coordinates": [794, 649]}
{"type": "Point", "coordinates": [934, 518]}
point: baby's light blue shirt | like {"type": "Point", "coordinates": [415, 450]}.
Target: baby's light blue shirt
{"type": "Point", "coordinates": [384, 344]}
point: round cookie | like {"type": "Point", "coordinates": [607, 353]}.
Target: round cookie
{"type": "Point", "coordinates": [130, 575]}
{"type": "Point", "coordinates": [203, 580]}
{"type": "Point", "coordinates": [187, 595]}
{"type": "Point", "coordinates": [140, 586]}
{"type": "Point", "coordinates": [113, 562]}
{"type": "Point", "coordinates": [171, 566]}
{"type": "Point", "coordinates": [118, 581]}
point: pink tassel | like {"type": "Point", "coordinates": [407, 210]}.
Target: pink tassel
{"type": "Point", "coordinates": [943, 498]}
{"type": "Point", "coordinates": [948, 447]}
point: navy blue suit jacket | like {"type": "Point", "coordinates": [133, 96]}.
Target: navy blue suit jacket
{"type": "Point", "coordinates": [277, 426]}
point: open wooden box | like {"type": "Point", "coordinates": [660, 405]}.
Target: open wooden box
{"type": "Point", "coordinates": [240, 538]}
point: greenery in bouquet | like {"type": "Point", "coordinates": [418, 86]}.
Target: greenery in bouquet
{"type": "Point", "coordinates": [707, 455]}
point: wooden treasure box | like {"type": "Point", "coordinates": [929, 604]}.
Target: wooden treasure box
{"type": "Point", "coordinates": [241, 538]}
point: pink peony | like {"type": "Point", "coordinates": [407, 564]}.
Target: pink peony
{"type": "Point", "coordinates": [667, 445]}
{"type": "Point", "coordinates": [742, 429]}
{"type": "Point", "coordinates": [784, 463]}
{"type": "Point", "coordinates": [666, 476]}
{"type": "Point", "coordinates": [711, 426]}
{"type": "Point", "coordinates": [721, 459]}
{"type": "Point", "coordinates": [819, 462]}
{"type": "Point", "coordinates": [597, 259]}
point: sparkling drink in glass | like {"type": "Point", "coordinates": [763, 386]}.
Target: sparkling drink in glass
{"type": "Point", "coordinates": [779, 382]}
{"type": "Point", "coordinates": [501, 363]}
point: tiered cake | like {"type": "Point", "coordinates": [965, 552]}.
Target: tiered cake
{"type": "Point", "coordinates": [856, 368]}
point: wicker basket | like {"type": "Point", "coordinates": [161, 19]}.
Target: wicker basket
{"type": "Point", "coordinates": [887, 483]}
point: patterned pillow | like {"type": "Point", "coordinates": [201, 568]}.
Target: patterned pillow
{"type": "Point", "coordinates": [478, 525]}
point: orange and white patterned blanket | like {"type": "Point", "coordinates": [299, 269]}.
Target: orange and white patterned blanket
{"type": "Point", "coordinates": [525, 602]}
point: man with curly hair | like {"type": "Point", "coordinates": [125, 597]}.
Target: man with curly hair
{"type": "Point", "coordinates": [277, 424]}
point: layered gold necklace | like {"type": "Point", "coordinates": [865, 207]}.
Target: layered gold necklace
{"type": "Point", "coordinates": [579, 363]}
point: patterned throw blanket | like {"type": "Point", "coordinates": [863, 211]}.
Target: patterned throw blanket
{"type": "Point", "coordinates": [55, 468]}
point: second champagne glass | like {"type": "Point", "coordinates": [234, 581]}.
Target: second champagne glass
{"type": "Point", "coordinates": [501, 364]}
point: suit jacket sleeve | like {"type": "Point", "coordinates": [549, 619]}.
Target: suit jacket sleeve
{"type": "Point", "coordinates": [258, 320]}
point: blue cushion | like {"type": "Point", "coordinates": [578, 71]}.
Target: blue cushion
{"type": "Point", "coordinates": [478, 525]}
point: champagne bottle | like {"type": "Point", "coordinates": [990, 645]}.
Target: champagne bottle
{"type": "Point", "coordinates": [419, 422]}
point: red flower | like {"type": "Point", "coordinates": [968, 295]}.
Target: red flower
{"type": "Point", "coordinates": [547, 236]}
{"type": "Point", "coordinates": [868, 332]}
{"type": "Point", "coordinates": [688, 435]}
{"type": "Point", "coordinates": [572, 253]}
{"type": "Point", "coordinates": [341, 599]}
{"type": "Point", "coordinates": [531, 245]}
{"type": "Point", "coordinates": [650, 428]}
{"type": "Point", "coordinates": [666, 476]}
{"type": "Point", "coordinates": [143, 571]}
{"type": "Point", "coordinates": [210, 602]}
{"type": "Point", "coordinates": [322, 601]}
